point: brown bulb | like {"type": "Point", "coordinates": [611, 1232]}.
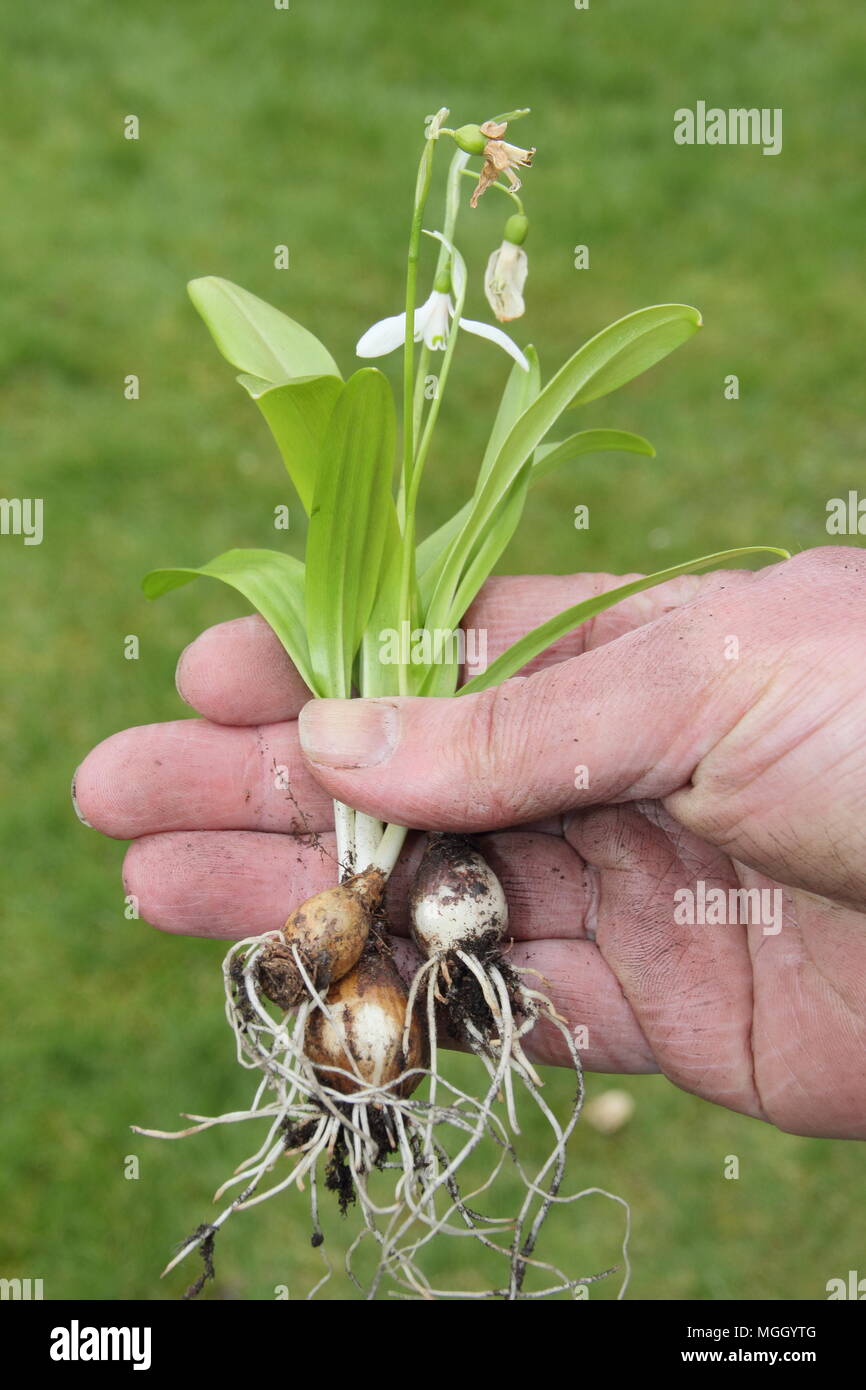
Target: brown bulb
{"type": "Point", "coordinates": [330, 931]}
{"type": "Point", "coordinates": [369, 1010]}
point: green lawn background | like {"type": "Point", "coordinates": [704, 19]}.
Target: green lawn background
{"type": "Point", "coordinates": [301, 126]}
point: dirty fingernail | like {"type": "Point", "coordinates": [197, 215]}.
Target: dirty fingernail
{"type": "Point", "coordinates": [348, 733]}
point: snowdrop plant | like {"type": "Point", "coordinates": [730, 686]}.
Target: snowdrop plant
{"type": "Point", "coordinates": [347, 1052]}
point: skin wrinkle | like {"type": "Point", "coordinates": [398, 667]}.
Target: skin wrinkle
{"type": "Point", "coordinates": [672, 962]}
{"type": "Point", "coordinates": [731, 834]}
{"type": "Point", "coordinates": [593, 910]}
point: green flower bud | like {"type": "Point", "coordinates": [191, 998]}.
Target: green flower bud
{"type": "Point", "coordinates": [516, 228]}
{"type": "Point", "coordinates": [471, 138]}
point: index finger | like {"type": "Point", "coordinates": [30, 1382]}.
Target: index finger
{"type": "Point", "coordinates": [239, 673]}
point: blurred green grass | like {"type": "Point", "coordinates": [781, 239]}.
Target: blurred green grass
{"type": "Point", "coordinates": [261, 127]}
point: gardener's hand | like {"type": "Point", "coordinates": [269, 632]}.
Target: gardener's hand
{"type": "Point", "coordinates": [711, 735]}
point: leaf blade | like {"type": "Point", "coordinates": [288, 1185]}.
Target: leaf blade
{"type": "Point", "coordinates": [543, 636]}
{"type": "Point", "coordinates": [271, 581]}
{"type": "Point", "coordinates": [255, 337]}
{"type": "Point", "coordinates": [614, 355]}
{"type": "Point", "coordinates": [349, 521]}
{"type": "Point", "coordinates": [297, 414]}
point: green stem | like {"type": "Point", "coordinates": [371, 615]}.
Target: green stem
{"type": "Point", "coordinates": [420, 380]}
{"type": "Point", "coordinates": [452, 208]}
{"type": "Point", "coordinates": [422, 189]}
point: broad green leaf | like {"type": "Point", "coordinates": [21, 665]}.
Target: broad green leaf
{"type": "Point", "coordinates": [255, 337]}
{"type": "Point", "coordinates": [528, 647]}
{"type": "Point", "coordinates": [549, 457]}
{"type": "Point", "coordinates": [495, 538]}
{"type": "Point", "coordinates": [298, 414]}
{"type": "Point", "coordinates": [272, 582]}
{"type": "Point", "coordinates": [610, 358]}
{"type": "Point", "coordinates": [374, 678]}
{"type": "Point", "coordinates": [632, 345]}
{"type": "Point", "coordinates": [349, 522]}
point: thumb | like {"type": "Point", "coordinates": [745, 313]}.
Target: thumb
{"type": "Point", "coordinates": [630, 719]}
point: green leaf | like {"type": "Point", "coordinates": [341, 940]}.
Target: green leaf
{"type": "Point", "coordinates": [298, 415]}
{"type": "Point", "coordinates": [549, 457]}
{"type": "Point", "coordinates": [272, 582]}
{"type": "Point", "coordinates": [373, 677]}
{"type": "Point", "coordinates": [495, 538]}
{"type": "Point", "coordinates": [349, 522]}
{"type": "Point", "coordinates": [442, 678]}
{"type": "Point", "coordinates": [631, 346]}
{"type": "Point", "coordinates": [610, 358]}
{"type": "Point", "coordinates": [257, 338]}
{"type": "Point", "coordinates": [521, 389]}
{"type": "Point", "coordinates": [528, 647]}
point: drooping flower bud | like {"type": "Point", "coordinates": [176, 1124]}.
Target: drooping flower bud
{"type": "Point", "coordinates": [506, 271]}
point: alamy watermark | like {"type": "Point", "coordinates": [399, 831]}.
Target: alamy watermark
{"type": "Point", "coordinates": [723, 907]}
{"type": "Point", "coordinates": [22, 516]}
{"type": "Point", "coordinates": [23, 1290]}
{"type": "Point", "coordinates": [713, 125]}
{"type": "Point", "coordinates": [846, 516]}
{"type": "Point", "coordinates": [77, 1343]}
{"type": "Point", "coordinates": [421, 646]}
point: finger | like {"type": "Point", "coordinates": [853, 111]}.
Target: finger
{"type": "Point", "coordinates": [240, 673]}
{"type": "Point", "coordinates": [235, 884]}
{"type": "Point", "coordinates": [510, 606]}
{"type": "Point", "coordinates": [190, 774]}
{"type": "Point", "coordinates": [630, 719]}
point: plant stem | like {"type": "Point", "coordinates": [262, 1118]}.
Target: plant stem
{"type": "Point", "coordinates": [389, 849]}
{"type": "Point", "coordinates": [503, 188]}
{"type": "Point", "coordinates": [412, 476]}
{"type": "Point", "coordinates": [422, 189]}
{"type": "Point", "coordinates": [368, 833]}
{"type": "Point", "coordinates": [344, 824]}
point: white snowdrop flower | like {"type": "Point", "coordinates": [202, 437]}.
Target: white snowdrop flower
{"type": "Point", "coordinates": [432, 321]}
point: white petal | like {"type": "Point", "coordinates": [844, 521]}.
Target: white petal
{"type": "Point", "coordinates": [504, 279]}
{"type": "Point", "coordinates": [383, 337]}
{"type": "Point", "coordinates": [496, 335]}
{"type": "Point", "coordinates": [434, 327]}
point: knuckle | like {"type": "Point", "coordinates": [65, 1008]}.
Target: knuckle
{"type": "Point", "coordinates": [497, 752]}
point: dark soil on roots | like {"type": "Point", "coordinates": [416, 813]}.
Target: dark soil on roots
{"type": "Point", "coordinates": [464, 1001]}
{"type": "Point", "coordinates": [338, 1175]}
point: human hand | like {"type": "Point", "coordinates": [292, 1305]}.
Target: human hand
{"type": "Point", "coordinates": [722, 729]}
